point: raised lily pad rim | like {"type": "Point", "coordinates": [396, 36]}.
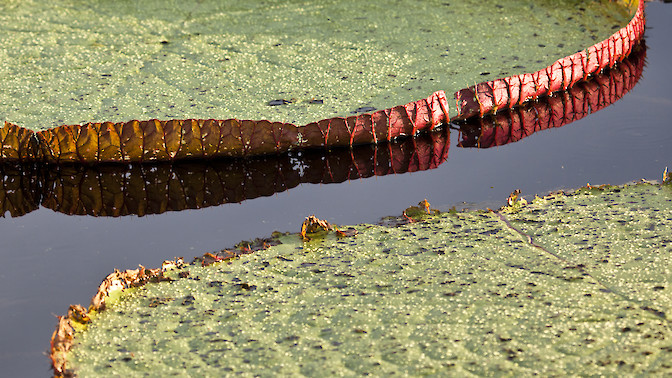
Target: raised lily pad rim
{"type": "Point", "coordinates": [155, 140]}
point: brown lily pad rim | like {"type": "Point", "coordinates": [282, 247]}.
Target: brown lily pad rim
{"type": "Point", "coordinates": [118, 189]}
{"type": "Point", "coordinates": [173, 140]}
{"type": "Point", "coordinates": [63, 336]}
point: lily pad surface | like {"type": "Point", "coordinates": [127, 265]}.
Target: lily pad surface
{"type": "Point", "coordinates": [575, 282]}
{"type": "Point", "coordinates": [72, 61]}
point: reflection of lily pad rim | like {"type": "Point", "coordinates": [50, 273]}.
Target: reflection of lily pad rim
{"type": "Point", "coordinates": [154, 140]}
{"type": "Point", "coordinates": [142, 189]}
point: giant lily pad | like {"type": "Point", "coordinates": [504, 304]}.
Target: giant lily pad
{"type": "Point", "coordinates": [199, 59]}
{"type": "Point", "coordinates": [73, 62]}
{"type": "Point", "coordinates": [531, 289]}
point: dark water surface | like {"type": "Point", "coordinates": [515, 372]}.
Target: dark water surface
{"type": "Point", "coordinates": [50, 260]}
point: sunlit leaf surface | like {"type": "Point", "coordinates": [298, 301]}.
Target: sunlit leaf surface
{"type": "Point", "coordinates": [72, 62]}
{"type": "Point", "coordinates": [574, 283]}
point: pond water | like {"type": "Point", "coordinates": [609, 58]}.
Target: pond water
{"type": "Point", "coordinates": [51, 260]}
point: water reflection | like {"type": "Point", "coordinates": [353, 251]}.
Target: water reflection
{"type": "Point", "coordinates": [142, 189]}
{"type": "Point", "coordinates": [560, 109]}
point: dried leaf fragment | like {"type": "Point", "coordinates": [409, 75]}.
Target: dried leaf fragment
{"type": "Point", "coordinates": [122, 280]}
{"type": "Point", "coordinates": [514, 203]}
{"type": "Point", "coordinates": [312, 225]}
{"type": "Point", "coordinates": [346, 233]}
{"type": "Point", "coordinates": [210, 258]}
{"type": "Point", "coordinates": [416, 213]}
{"type": "Point", "coordinates": [79, 314]}
{"type": "Point", "coordinates": [667, 177]}
{"type": "Point", "coordinates": [61, 341]}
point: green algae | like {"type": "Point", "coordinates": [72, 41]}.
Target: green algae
{"type": "Point", "coordinates": [456, 293]}
{"type": "Point", "coordinates": [73, 61]}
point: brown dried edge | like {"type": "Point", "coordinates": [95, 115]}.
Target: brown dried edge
{"type": "Point", "coordinates": [63, 337]}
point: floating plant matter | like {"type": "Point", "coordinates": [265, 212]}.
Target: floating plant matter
{"type": "Point", "coordinates": [171, 140]}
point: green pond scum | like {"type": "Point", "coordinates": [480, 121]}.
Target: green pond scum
{"type": "Point", "coordinates": [73, 61]}
{"type": "Point", "coordinates": [569, 284]}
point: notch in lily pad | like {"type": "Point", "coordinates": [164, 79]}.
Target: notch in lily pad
{"type": "Point", "coordinates": [364, 109]}
{"type": "Point", "coordinates": [279, 102]}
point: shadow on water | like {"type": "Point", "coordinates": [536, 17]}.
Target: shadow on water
{"type": "Point", "coordinates": [144, 189]}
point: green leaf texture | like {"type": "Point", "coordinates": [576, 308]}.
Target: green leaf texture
{"type": "Point", "coordinates": [570, 284]}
